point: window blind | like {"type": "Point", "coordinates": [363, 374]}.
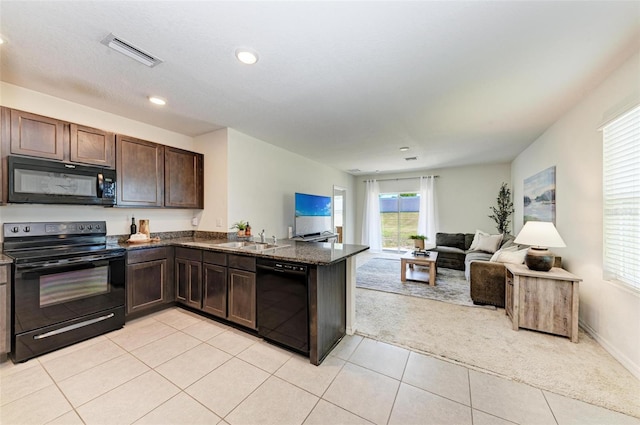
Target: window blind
{"type": "Point", "coordinates": [621, 199]}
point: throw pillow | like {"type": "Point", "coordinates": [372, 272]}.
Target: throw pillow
{"type": "Point", "coordinates": [495, 257]}
{"type": "Point", "coordinates": [515, 257]}
{"type": "Point", "coordinates": [476, 239]}
{"type": "Point", "coordinates": [489, 243]}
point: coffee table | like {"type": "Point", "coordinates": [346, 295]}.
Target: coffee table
{"type": "Point", "coordinates": [410, 260]}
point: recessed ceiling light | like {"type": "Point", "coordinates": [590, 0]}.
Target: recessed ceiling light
{"type": "Point", "coordinates": [157, 100]}
{"type": "Point", "coordinates": [247, 56]}
{"type": "Point", "coordinates": [1, 39]}
{"type": "Point", "coordinates": [354, 170]}
{"type": "Point", "coordinates": [404, 149]}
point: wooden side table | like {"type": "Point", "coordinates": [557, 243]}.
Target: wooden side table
{"type": "Point", "coordinates": [542, 301]}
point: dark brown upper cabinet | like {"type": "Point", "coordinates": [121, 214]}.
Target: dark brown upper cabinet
{"type": "Point", "coordinates": [49, 138]}
{"type": "Point", "coordinates": [92, 146]}
{"type": "Point", "coordinates": [140, 167]}
{"type": "Point", "coordinates": [183, 178]}
{"type": "Point", "coordinates": [35, 135]}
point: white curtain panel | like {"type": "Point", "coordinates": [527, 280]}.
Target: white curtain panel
{"type": "Point", "coordinates": [371, 226]}
{"type": "Point", "coordinates": [428, 215]}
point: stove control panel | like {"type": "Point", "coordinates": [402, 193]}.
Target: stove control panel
{"type": "Point", "coordinates": [15, 230]}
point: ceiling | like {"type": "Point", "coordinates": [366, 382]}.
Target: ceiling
{"type": "Point", "coordinates": [343, 83]}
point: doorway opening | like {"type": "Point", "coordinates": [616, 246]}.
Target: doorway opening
{"type": "Point", "coordinates": [339, 211]}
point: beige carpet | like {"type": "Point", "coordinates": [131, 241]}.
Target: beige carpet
{"type": "Point", "coordinates": [483, 339]}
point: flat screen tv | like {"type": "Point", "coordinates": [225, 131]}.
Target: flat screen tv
{"type": "Point", "coordinates": [313, 214]}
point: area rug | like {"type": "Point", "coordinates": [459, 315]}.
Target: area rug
{"type": "Point", "coordinates": [383, 274]}
{"type": "Point", "coordinates": [483, 339]}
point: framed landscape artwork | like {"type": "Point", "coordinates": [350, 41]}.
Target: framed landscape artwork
{"type": "Point", "coordinates": [540, 196]}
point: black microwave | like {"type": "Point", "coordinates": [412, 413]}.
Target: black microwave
{"type": "Point", "coordinates": [40, 181]}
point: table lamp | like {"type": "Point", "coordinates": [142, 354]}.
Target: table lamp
{"type": "Point", "coordinates": [540, 235]}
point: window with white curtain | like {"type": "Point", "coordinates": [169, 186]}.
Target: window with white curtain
{"type": "Point", "coordinates": [621, 199]}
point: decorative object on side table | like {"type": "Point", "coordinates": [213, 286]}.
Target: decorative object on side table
{"type": "Point", "coordinates": [504, 209]}
{"type": "Point", "coordinates": [540, 235]}
{"type": "Point", "coordinates": [418, 241]}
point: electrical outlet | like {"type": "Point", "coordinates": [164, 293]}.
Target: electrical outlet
{"type": "Point", "coordinates": [194, 221]}
{"type": "Point", "coordinates": [218, 222]}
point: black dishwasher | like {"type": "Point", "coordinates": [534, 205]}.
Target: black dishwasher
{"type": "Point", "coordinates": [282, 304]}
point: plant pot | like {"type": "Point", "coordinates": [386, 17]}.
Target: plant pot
{"type": "Point", "coordinates": [418, 244]}
{"type": "Point", "coordinates": [241, 233]}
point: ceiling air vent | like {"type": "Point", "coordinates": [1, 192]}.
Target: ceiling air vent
{"type": "Point", "coordinates": [130, 50]}
{"type": "Point", "coordinates": [411, 158]}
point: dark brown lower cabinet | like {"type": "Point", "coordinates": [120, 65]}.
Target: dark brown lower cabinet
{"type": "Point", "coordinates": [216, 283]}
{"type": "Point", "coordinates": [214, 280]}
{"type": "Point", "coordinates": [149, 278]}
{"type": "Point", "coordinates": [189, 277]}
{"type": "Point", "coordinates": [242, 297]}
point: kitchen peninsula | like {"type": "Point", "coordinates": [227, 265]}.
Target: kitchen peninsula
{"type": "Point", "coordinates": [228, 280]}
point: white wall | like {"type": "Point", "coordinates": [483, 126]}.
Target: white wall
{"type": "Point", "coordinates": [464, 195]}
{"type": "Point", "coordinates": [263, 179]}
{"type": "Point", "coordinates": [17, 97]}
{"type": "Point", "coordinates": [573, 144]}
{"type": "Point", "coordinates": [214, 148]}
{"type": "Point", "coordinates": [118, 219]}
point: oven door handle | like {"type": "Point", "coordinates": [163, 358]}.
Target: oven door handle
{"type": "Point", "coordinates": [70, 261]}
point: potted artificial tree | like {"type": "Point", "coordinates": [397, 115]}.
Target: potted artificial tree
{"type": "Point", "coordinates": [504, 209]}
{"type": "Point", "coordinates": [418, 241]}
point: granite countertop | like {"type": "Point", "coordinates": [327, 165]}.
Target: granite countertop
{"type": "Point", "coordinates": [5, 260]}
{"type": "Point", "coordinates": [318, 253]}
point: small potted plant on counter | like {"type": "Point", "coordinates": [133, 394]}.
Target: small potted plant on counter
{"type": "Point", "coordinates": [241, 226]}
{"type": "Point", "coordinates": [418, 241]}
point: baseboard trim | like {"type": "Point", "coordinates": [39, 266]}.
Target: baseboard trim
{"type": "Point", "coordinates": [615, 353]}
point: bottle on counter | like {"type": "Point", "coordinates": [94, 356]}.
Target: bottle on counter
{"type": "Point", "coordinates": [247, 230]}
{"type": "Point", "coordinates": [134, 228]}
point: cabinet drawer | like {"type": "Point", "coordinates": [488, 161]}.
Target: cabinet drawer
{"type": "Point", "coordinates": [150, 254]}
{"type": "Point", "coordinates": [189, 254]}
{"type": "Point", "coordinates": [242, 263]}
{"type": "Point", "coordinates": [211, 257]}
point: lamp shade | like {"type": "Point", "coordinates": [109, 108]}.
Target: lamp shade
{"type": "Point", "coordinates": [540, 234]}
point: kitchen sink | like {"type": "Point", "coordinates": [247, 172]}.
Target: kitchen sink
{"type": "Point", "coordinates": [259, 247]}
{"type": "Point", "coordinates": [236, 244]}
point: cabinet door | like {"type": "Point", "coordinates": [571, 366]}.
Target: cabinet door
{"type": "Point", "coordinates": [214, 280]}
{"type": "Point", "coordinates": [242, 298]}
{"type": "Point", "coordinates": [140, 166]}
{"type": "Point", "coordinates": [5, 143]}
{"type": "Point", "coordinates": [35, 135]}
{"type": "Point", "coordinates": [183, 178]}
{"type": "Point", "coordinates": [146, 285]}
{"type": "Point", "coordinates": [189, 282]}
{"type": "Point", "coordinates": [92, 146]}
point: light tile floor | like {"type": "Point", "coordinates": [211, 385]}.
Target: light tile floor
{"type": "Point", "coordinates": [175, 367]}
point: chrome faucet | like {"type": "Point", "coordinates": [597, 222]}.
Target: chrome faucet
{"type": "Point", "coordinates": [261, 234]}
{"type": "Point", "coordinates": [275, 240]}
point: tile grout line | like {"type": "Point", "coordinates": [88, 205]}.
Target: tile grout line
{"type": "Point", "coordinates": [549, 406]}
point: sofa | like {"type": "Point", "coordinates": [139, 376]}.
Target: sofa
{"type": "Point", "coordinates": [454, 250]}
{"type": "Point", "coordinates": [487, 281]}
{"type": "Point", "coordinates": [486, 278]}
